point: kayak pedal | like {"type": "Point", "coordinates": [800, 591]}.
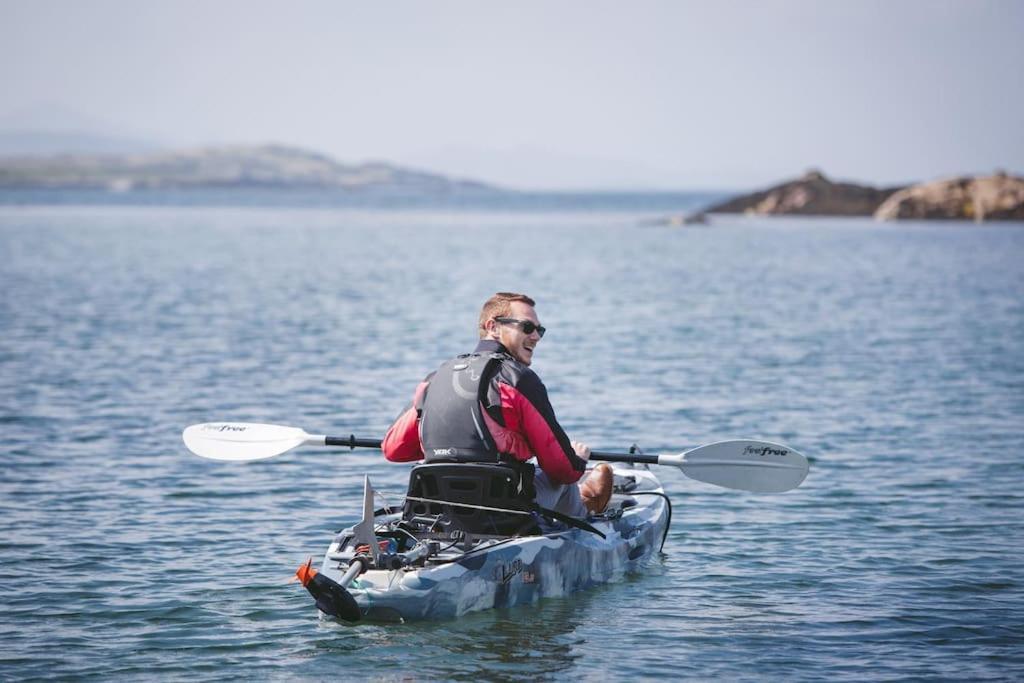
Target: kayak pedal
{"type": "Point", "coordinates": [612, 514]}
{"type": "Point", "coordinates": [624, 483]}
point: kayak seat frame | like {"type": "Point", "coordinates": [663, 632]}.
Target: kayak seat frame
{"type": "Point", "coordinates": [436, 489]}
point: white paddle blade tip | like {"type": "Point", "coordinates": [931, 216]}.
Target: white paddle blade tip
{"type": "Point", "coordinates": [746, 465]}
{"type": "Point", "coordinates": [237, 441]}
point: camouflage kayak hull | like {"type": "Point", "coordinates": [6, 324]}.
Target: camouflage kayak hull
{"type": "Point", "coordinates": [506, 572]}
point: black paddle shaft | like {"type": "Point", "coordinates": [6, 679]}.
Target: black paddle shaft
{"type": "Point", "coordinates": [351, 441]}
{"type": "Point", "coordinates": [624, 457]}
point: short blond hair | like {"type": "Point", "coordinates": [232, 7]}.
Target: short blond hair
{"type": "Point", "coordinates": [499, 306]}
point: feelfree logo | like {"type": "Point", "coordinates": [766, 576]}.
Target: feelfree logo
{"type": "Point", "coordinates": [764, 450]}
{"type": "Point", "coordinates": [224, 428]}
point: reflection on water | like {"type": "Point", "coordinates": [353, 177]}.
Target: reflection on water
{"type": "Point", "coordinates": [506, 644]}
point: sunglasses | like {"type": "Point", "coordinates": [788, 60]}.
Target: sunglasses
{"type": "Point", "coordinates": [527, 326]}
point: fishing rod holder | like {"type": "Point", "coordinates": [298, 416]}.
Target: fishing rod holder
{"type": "Point", "coordinates": [359, 564]}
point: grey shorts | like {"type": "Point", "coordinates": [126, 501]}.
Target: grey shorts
{"type": "Point", "coordinates": [564, 498]}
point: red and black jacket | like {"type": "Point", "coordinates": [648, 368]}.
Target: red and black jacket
{"type": "Point", "coordinates": [484, 406]}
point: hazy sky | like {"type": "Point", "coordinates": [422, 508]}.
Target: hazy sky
{"type": "Point", "coordinates": [670, 95]}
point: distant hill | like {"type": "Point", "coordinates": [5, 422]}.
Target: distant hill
{"type": "Point", "coordinates": [29, 142]}
{"type": "Point", "coordinates": [49, 128]}
{"type": "Point", "coordinates": [268, 166]}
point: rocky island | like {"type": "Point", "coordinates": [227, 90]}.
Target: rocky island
{"type": "Point", "coordinates": [811, 195]}
{"type": "Point", "coordinates": [996, 197]}
{"type": "Point", "coordinates": [264, 166]}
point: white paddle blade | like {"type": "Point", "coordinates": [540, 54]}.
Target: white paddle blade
{"type": "Point", "coordinates": [242, 440]}
{"type": "Point", "coordinates": [747, 465]}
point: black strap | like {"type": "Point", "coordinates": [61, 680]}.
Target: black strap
{"type": "Point", "coordinates": [566, 519]}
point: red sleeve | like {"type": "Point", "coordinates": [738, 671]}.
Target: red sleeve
{"type": "Point", "coordinates": [402, 442]}
{"type": "Point", "coordinates": [527, 410]}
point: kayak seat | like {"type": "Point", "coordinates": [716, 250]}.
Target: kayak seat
{"type": "Point", "coordinates": [436, 489]}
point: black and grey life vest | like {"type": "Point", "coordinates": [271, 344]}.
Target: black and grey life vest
{"type": "Point", "coordinates": [452, 426]}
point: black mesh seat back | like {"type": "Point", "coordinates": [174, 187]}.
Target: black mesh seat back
{"type": "Point", "coordinates": [481, 485]}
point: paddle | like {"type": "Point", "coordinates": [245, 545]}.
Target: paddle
{"type": "Point", "coordinates": [743, 464]}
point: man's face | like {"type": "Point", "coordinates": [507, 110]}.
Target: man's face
{"type": "Point", "coordinates": [512, 337]}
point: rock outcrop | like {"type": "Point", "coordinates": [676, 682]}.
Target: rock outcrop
{"type": "Point", "coordinates": [811, 195]}
{"type": "Point", "coordinates": [677, 220]}
{"type": "Point", "coordinates": [995, 197]}
{"type": "Point", "coordinates": [234, 166]}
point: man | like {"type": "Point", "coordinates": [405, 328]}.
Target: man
{"type": "Point", "coordinates": [490, 406]}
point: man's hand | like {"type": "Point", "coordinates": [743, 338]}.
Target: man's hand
{"type": "Point", "coordinates": [582, 450]}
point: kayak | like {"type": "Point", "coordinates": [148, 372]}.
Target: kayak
{"type": "Point", "coordinates": [467, 536]}
{"type": "Point", "coordinates": [423, 577]}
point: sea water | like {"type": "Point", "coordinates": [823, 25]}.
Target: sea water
{"type": "Point", "coordinates": [891, 354]}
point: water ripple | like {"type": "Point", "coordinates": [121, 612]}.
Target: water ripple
{"type": "Point", "coordinates": [892, 356]}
